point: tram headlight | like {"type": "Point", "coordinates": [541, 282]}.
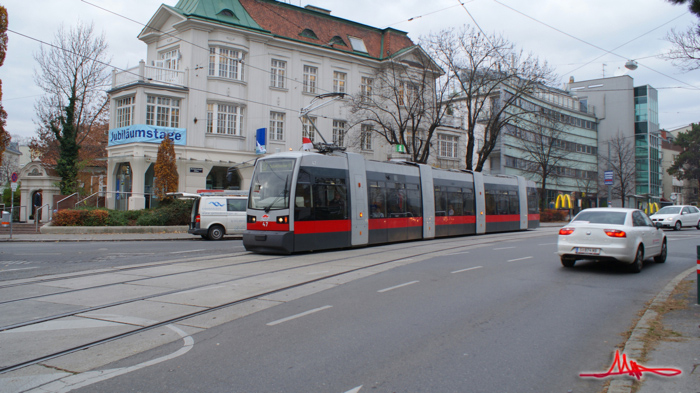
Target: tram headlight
{"type": "Point", "coordinates": [251, 220]}
{"type": "Point", "coordinates": [283, 220]}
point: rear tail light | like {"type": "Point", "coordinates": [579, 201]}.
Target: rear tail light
{"type": "Point", "coordinates": [615, 233]}
{"type": "Point", "coordinates": [197, 219]}
{"type": "Point", "coordinates": [566, 231]}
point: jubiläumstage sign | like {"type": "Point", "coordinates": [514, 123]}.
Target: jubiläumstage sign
{"type": "Point", "coordinates": [146, 134]}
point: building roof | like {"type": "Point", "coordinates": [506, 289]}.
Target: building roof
{"type": "Point", "coordinates": [311, 25]}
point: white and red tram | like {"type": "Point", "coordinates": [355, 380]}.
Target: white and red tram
{"type": "Point", "coordinates": [304, 201]}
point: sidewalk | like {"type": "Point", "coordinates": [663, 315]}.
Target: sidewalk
{"type": "Point", "coordinates": [670, 328]}
{"type": "Point", "coordinates": [49, 233]}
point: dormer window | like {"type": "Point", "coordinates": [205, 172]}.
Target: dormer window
{"type": "Point", "coordinates": [308, 33]}
{"type": "Point", "coordinates": [358, 45]}
{"type": "Point", "coordinates": [337, 41]}
{"type": "Point", "coordinates": [226, 12]}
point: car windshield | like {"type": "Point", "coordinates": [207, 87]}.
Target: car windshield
{"type": "Point", "coordinates": [602, 217]}
{"type": "Point", "coordinates": [271, 183]}
{"type": "Point", "coordinates": [670, 210]}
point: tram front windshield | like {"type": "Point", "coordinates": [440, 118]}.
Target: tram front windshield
{"type": "Point", "coordinates": [271, 184]}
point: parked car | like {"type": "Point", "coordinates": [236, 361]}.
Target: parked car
{"type": "Point", "coordinates": [619, 234]}
{"type": "Point", "coordinates": [217, 214]}
{"type": "Point", "coordinates": [677, 217]}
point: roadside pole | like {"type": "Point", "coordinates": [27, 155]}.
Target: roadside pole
{"type": "Point", "coordinates": [697, 279]}
{"type": "Point", "coordinates": [14, 177]}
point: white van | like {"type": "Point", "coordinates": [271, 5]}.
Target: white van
{"type": "Point", "coordinates": [217, 214]}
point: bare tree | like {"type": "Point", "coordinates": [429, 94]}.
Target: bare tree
{"type": "Point", "coordinates": [621, 161]}
{"type": "Point", "coordinates": [4, 135]}
{"type": "Point", "coordinates": [543, 147]}
{"type": "Point", "coordinates": [404, 103]}
{"type": "Point", "coordinates": [492, 76]}
{"type": "Point", "coordinates": [685, 52]}
{"type": "Point", "coordinates": [73, 75]}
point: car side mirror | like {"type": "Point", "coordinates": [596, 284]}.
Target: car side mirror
{"type": "Point", "coordinates": [658, 225]}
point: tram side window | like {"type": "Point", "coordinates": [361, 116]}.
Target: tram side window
{"type": "Point", "coordinates": [513, 202]}
{"type": "Point", "coordinates": [396, 200]}
{"type": "Point", "coordinates": [532, 201]}
{"type": "Point", "coordinates": [455, 201]}
{"type": "Point", "coordinates": [414, 206]}
{"type": "Point", "coordinates": [377, 199]}
{"type": "Point", "coordinates": [469, 207]}
{"type": "Point", "coordinates": [501, 199]}
{"type": "Point", "coordinates": [320, 197]}
{"type": "Point", "coordinates": [440, 201]}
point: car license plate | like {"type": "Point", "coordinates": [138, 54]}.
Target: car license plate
{"type": "Point", "coordinates": [587, 251]}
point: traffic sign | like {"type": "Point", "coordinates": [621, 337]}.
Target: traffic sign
{"type": "Point", "coordinates": [14, 177]}
{"type": "Point", "coordinates": [608, 178]}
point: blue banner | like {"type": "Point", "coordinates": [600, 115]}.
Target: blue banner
{"type": "Point", "coordinates": [148, 134]}
{"type": "Point", "coordinates": [260, 141]}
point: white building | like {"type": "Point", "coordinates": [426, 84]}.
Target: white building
{"type": "Point", "coordinates": [217, 71]}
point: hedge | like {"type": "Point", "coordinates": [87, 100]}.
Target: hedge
{"type": "Point", "coordinates": [175, 212]}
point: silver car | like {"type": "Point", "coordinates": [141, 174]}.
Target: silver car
{"type": "Point", "coordinates": [677, 217]}
{"type": "Point", "coordinates": [620, 234]}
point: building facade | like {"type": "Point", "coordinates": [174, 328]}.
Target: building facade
{"type": "Point", "coordinates": [220, 73]}
{"type": "Point", "coordinates": [626, 113]}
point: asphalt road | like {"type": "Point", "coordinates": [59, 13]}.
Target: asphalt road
{"type": "Point", "coordinates": [26, 260]}
{"type": "Point", "coordinates": [503, 317]}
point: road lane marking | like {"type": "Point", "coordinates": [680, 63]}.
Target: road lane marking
{"type": "Point", "coordinates": [182, 252]}
{"type": "Point", "coordinates": [355, 390]}
{"type": "Point", "coordinates": [459, 253]}
{"type": "Point", "coordinates": [398, 286]}
{"type": "Point", "coordinates": [503, 248]}
{"type": "Point", "coordinates": [465, 270]}
{"type": "Point", "coordinates": [519, 259]}
{"type": "Point", "coordinates": [277, 322]}
{"type": "Point", "coordinates": [13, 270]}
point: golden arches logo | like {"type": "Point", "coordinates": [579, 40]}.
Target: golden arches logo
{"type": "Point", "coordinates": [651, 208]}
{"type": "Point", "coordinates": [563, 202]}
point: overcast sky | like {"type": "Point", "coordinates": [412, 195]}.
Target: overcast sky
{"type": "Point", "coordinates": [569, 34]}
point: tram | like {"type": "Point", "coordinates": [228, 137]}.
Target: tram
{"type": "Point", "coordinates": [306, 201]}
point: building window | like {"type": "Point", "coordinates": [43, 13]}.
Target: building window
{"type": "Point", "coordinates": [310, 74]}
{"type": "Point", "coordinates": [163, 111]}
{"type": "Point", "coordinates": [366, 89]}
{"type": "Point", "coordinates": [307, 130]}
{"type": "Point", "coordinates": [169, 59]}
{"type": "Point", "coordinates": [225, 119]}
{"type": "Point", "coordinates": [366, 137]}
{"type": "Point", "coordinates": [225, 63]}
{"type": "Point", "coordinates": [125, 111]}
{"type": "Point", "coordinates": [357, 44]}
{"type": "Point", "coordinates": [447, 146]}
{"type": "Point", "coordinates": [338, 132]}
{"type": "Point", "coordinates": [276, 126]}
{"type": "Point", "coordinates": [277, 73]}
{"type": "Point", "coordinates": [339, 80]}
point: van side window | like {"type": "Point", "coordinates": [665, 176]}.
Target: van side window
{"type": "Point", "coordinates": [236, 205]}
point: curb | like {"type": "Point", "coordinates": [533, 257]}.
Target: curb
{"type": "Point", "coordinates": [49, 229]}
{"type": "Point", "coordinates": [635, 344]}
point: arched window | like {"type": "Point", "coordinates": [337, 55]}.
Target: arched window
{"type": "Point", "coordinates": [308, 33]}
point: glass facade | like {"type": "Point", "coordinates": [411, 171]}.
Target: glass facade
{"type": "Point", "coordinates": [647, 143]}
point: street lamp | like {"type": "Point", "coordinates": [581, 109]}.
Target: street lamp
{"type": "Point", "coordinates": [631, 65]}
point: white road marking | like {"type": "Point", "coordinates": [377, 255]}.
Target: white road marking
{"type": "Point", "coordinates": [519, 259]}
{"type": "Point", "coordinates": [459, 253]}
{"type": "Point", "coordinates": [277, 322]}
{"type": "Point", "coordinates": [13, 270]}
{"type": "Point", "coordinates": [398, 286]}
{"type": "Point", "coordinates": [88, 378]}
{"type": "Point", "coordinates": [355, 390]}
{"type": "Point", "coordinates": [465, 270]}
{"type": "Point", "coordinates": [503, 248]}
{"type": "Point", "coordinates": [183, 252]}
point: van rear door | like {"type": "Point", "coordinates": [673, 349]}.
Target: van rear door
{"type": "Point", "coordinates": [236, 209]}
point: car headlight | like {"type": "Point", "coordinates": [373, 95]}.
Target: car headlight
{"type": "Point", "coordinates": [669, 219]}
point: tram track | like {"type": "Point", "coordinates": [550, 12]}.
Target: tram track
{"type": "Point", "coordinates": [446, 246]}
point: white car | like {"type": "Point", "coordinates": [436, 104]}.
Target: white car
{"type": "Point", "coordinates": [620, 234]}
{"type": "Point", "coordinates": [677, 217]}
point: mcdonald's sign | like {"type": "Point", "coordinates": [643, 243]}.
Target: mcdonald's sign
{"type": "Point", "coordinates": [651, 208]}
{"type": "Point", "coordinates": [563, 202]}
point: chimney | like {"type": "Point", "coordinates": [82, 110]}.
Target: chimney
{"type": "Point", "coordinates": [571, 79]}
{"type": "Point", "coordinates": [318, 9]}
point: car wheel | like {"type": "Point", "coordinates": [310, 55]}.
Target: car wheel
{"type": "Point", "coordinates": [636, 266]}
{"type": "Point", "coordinates": [568, 261]}
{"type": "Point", "coordinates": [698, 225]}
{"type": "Point", "coordinates": [216, 232]}
{"type": "Point", "coordinates": [661, 258]}
{"type": "Point", "coordinates": [677, 226]}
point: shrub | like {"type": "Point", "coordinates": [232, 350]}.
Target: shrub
{"type": "Point", "coordinates": [96, 217]}
{"type": "Point", "coordinates": [173, 212]}
{"type": "Point", "coordinates": [69, 217]}
{"type": "Point", "coordinates": [553, 215]}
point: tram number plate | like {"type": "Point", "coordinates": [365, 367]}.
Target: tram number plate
{"type": "Point", "coordinates": [587, 251]}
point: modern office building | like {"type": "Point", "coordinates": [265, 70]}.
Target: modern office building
{"type": "Point", "coordinates": [218, 71]}
{"type": "Point", "coordinates": [631, 114]}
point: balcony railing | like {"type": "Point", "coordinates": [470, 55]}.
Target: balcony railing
{"type": "Point", "coordinates": [149, 74]}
